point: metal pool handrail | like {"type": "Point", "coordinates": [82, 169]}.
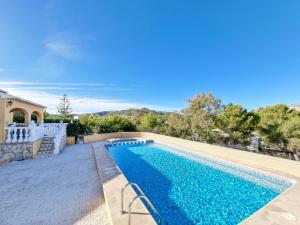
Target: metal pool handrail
{"type": "Point", "coordinates": [141, 195]}
{"type": "Point", "coordinates": [122, 194]}
{"type": "Point", "coordinates": [148, 202]}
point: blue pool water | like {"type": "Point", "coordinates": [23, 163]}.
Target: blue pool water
{"type": "Point", "coordinates": [186, 191]}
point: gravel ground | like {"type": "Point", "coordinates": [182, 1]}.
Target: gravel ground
{"type": "Point", "coordinates": [58, 190]}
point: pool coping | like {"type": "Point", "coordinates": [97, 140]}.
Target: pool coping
{"type": "Point", "coordinates": [113, 180]}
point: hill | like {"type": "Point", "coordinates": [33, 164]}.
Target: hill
{"type": "Point", "coordinates": [130, 112]}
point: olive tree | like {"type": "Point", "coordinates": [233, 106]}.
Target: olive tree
{"type": "Point", "coordinates": [202, 112]}
{"type": "Point", "coordinates": [279, 127]}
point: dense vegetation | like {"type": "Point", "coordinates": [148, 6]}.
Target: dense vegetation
{"type": "Point", "coordinates": [205, 119]}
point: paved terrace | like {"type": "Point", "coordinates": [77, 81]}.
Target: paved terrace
{"type": "Point", "coordinates": [59, 190]}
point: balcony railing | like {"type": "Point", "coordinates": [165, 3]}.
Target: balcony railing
{"type": "Point", "coordinates": [33, 132]}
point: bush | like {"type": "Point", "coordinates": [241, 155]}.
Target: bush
{"type": "Point", "coordinates": [57, 119]}
{"type": "Point", "coordinates": [90, 123]}
{"type": "Point", "coordinates": [115, 124]}
{"type": "Point", "coordinates": [73, 129]}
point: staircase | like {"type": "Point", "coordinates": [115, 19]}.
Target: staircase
{"type": "Point", "coordinates": [47, 147]}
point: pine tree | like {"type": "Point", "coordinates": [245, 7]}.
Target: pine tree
{"type": "Point", "coordinates": [64, 107]}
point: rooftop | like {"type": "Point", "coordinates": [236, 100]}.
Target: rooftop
{"type": "Point", "coordinates": [4, 95]}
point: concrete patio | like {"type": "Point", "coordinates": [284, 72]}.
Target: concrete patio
{"type": "Point", "coordinates": [59, 190]}
{"type": "Point", "coordinates": [66, 189]}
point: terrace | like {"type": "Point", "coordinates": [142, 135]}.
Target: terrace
{"type": "Point", "coordinates": [82, 185]}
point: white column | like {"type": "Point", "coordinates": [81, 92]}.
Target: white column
{"type": "Point", "coordinates": [8, 137]}
{"type": "Point", "coordinates": [31, 128]}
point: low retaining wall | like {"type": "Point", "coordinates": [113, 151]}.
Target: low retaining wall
{"type": "Point", "coordinates": [100, 137]}
{"type": "Point", "coordinates": [71, 140]}
{"type": "Point", "coordinates": [18, 151]}
{"type": "Point", "coordinates": [36, 146]}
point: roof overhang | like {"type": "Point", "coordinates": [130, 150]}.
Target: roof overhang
{"type": "Point", "coordinates": [5, 95]}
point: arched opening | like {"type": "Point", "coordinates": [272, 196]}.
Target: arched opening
{"type": "Point", "coordinates": [18, 116]}
{"type": "Point", "coordinates": [36, 116]}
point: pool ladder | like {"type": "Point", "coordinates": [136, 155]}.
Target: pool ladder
{"type": "Point", "coordinates": [139, 195]}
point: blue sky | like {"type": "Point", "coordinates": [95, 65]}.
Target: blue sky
{"type": "Point", "coordinates": [109, 55]}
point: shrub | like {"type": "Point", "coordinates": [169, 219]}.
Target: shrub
{"type": "Point", "coordinates": [115, 124]}
{"type": "Point", "coordinates": [73, 129]}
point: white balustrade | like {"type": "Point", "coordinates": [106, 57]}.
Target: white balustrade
{"type": "Point", "coordinates": [33, 132]}
{"type": "Point", "coordinates": [17, 134]}
{"type": "Point", "coordinates": [51, 129]}
{"type": "Point", "coordinates": [62, 132]}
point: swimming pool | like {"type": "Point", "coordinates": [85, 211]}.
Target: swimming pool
{"type": "Point", "coordinates": [188, 189]}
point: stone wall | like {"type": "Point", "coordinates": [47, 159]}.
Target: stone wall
{"type": "Point", "coordinates": [15, 152]}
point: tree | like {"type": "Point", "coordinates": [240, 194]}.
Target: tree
{"type": "Point", "coordinates": [46, 114]}
{"type": "Point", "coordinates": [110, 124]}
{"type": "Point", "coordinates": [202, 127]}
{"type": "Point", "coordinates": [291, 131]}
{"type": "Point", "coordinates": [90, 123]}
{"type": "Point", "coordinates": [149, 122]}
{"type": "Point", "coordinates": [239, 124]}
{"type": "Point", "coordinates": [64, 107]}
{"type": "Point", "coordinates": [178, 125]}
{"type": "Point", "coordinates": [34, 117]}
{"type": "Point", "coordinates": [202, 112]}
{"type": "Point", "coordinates": [279, 126]}
{"type": "Point", "coordinates": [204, 102]}
{"type": "Point", "coordinates": [136, 116]}
{"type": "Point", "coordinates": [18, 117]}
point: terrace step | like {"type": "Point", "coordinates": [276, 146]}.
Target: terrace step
{"type": "Point", "coordinates": [47, 147]}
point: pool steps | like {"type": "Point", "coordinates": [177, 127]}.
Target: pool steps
{"type": "Point", "coordinates": [140, 195]}
{"type": "Point", "coordinates": [141, 142]}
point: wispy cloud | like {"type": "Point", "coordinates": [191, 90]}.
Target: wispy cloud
{"type": "Point", "coordinates": [48, 93]}
{"type": "Point", "coordinates": [59, 51]}
{"type": "Point", "coordinates": [80, 104]}
{"type": "Point", "coordinates": [75, 88]}
{"type": "Point", "coordinates": [66, 86]}
{"type": "Point", "coordinates": [65, 44]}
{"type": "Point", "coordinates": [43, 88]}
{"type": "Point", "coordinates": [49, 83]}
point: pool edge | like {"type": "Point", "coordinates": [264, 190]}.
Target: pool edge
{"type": "Point", "coordinates": [275, 212]}
{"type": "Point", "coordinates": [113, 180]}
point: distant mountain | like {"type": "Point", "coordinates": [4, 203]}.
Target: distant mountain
{"type": "Point", "coordinates": [129, 112]}
{"type": "Point", "coordinates": [295, 106]}
{"type": "Point", "coordinates": [103, 113]}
